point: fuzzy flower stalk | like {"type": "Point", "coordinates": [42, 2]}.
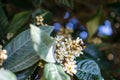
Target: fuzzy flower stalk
{"type": "Point", "coordinates": [66, 52]}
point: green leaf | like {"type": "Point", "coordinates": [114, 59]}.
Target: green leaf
{"type": "Point", "coordinates": [68, 3]}
{"type": "Point", "coordinates": [23, 75]}
{"type": "Point", "coordinates": [21, 54]}
{"type": "Point", "coordinates": [91, 51]}
{"type": "Point", "coordinates": [3, 19]}
{"type": "Point", "coordinates": [18, 21]}
{"type": "Point", "coordinates": [47, 16]}
{"type": "Point", "coordinates": [54, 72]}
{"type": "Point", "coordinates": [3, 22]}
{"type": "Point", "coordinates": [47, 29]}
{"type": "Point", "coordinates": [88, 70]}
{"type": "Point", "coordinates": [43, 44]}
{"type": "Point", "coordinates": [7, 75]}
{"type": "Point", "coordinates": [93, 24]}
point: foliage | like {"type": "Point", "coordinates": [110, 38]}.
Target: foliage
{"type": "Point", "coordinates": [55, 72]}
{"type": "Point", "coordinates": [3, 22]}
{"type": "Point", "coordinates": [88, 70]}
{"type": "Point", "coordinates": [18, 20]}
{"type": "Point", "coordinates": [7, 75]}
{"type": "Point", "coordinates": [24, 74]}
{"type": "Point", "coordinates": [27, 43]}
{"type": "Point", "coordinates": [43, 44]}
{"type": "Point", "coordinates": [20, 46]}
{"type": "Point", "coordinates": [68, 3]}
{"type": "Point", "coordinates": [94, 23]}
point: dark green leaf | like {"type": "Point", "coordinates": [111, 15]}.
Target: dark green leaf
{"type": "Point", "coordinates": [7, 75]}
{"type": "Point", "coordinates": [94, 23]}
{"type": "Point", "coordinates": [18, 21]}
{"type": "Point", "coordinates": [88, 70]}
{"type": "Point", "coordinates": [3, 22]}
{"type": "Point", "coordinates": [3, 19]}
{"type": "Point", "coordinates": [54, 72]}
{"type": "Point", "coordinates": [23, 75]}
{"type": "Point", "coordinates": [21, 54]}
{"type": "Point", "coordinates": [68, 3]}
{"type": "Point", "coordinates": [44, 13]}
{"type": "Point", "coordinates": [92, 51]}
{"type": "Point", "coordinates": [43, 44]}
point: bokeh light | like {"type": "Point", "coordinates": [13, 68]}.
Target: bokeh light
{"type": "Point", "coordinates": [74, 21]}
{"type": "Point", "coordinates": [83, 34]}
{"type": "Point", "coordinates": [70, 26]}
{"type": "Point", "coordinates": [106, 29]}
{"type": "Point", "coordinates": [67, 15]}
{"type": "Point", "coordinates": [57, 26]}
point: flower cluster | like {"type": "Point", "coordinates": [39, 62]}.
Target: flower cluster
{"type": "Point", "coordinates": [39, 21]}
{"type": "Point", "coordinates": [66, 52]}
{"type": "Point", "coordinates": [65, 32]}
{"type": "Point", "coordinates": [3, 56]}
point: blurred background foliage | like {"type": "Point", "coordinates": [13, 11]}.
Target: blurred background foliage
{"type": "Point", "coordinates": [97, 22]}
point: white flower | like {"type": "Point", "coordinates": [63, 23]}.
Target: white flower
{"type": "Point", "coordinates": [70, 67]}
{"type": "Point", "coordinates": [77, 54]}
{"type": "Point", "coordinates": [66, 52]}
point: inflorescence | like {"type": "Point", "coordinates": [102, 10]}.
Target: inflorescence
{"type": "Point", "coordinates": [66, 52]}
{"type": "Point", "coordinates": [3, 56]}
{"type": "Point", "coordinates": [39, 21]}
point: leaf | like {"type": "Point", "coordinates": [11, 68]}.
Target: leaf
{"type": "Point", "coordinates": [3, 18]}
{"type": "Point", "coordinates": [18, 21]}
{"type": "Point", "coordinates": [3, 22]}
{"type": "Point", "coordinates": [94, 23]}
{"type": "Point", "coordinates": [23, 75]}
{"type": "Point", "coordinates": [54, 72]}
{"type": "Point", "coordinates": [88, 70]}
{"type": "Point", "coordinates": [21, 54]}
{"type": "Point", "coordinates": [68, 3]}
{"type": "Point", "coordinates": [43, 44]}
{"type": "Point", "coordinates": [47, 29]}
{"type": "Point", "coordinates": [92, 52]}
{"type": "Point", "coordinates": [47, 16]}
{"type": "Point", "coordinates": [7, 75]}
